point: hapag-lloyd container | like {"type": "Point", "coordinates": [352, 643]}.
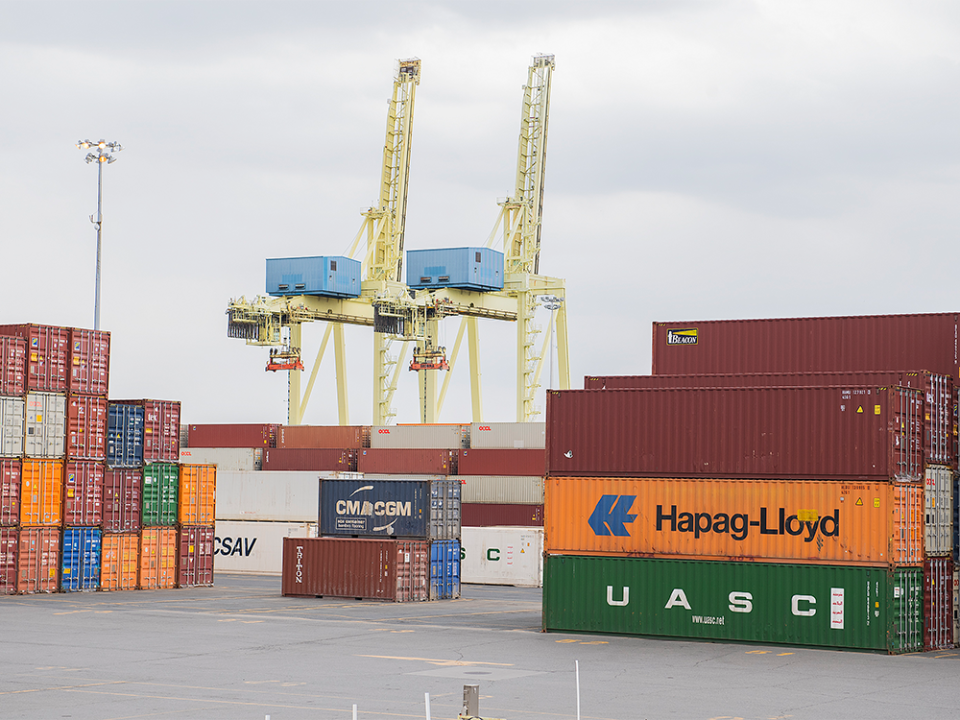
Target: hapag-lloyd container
{"type": "Point", "coordinates": [198, 496]}
{"type": "Point", "coordinates": [502, 489]}
{"type": "Point", "coordinates": [514, 435]}
{"type": "Point", "coordinates": [232, 435]}
{"type": "Point", "coordinates": [124, 435]}
{"type": "Point", "coordinates": [407, 461]}
{"type": "Point", "coordinates": [370, 568]}
{"type": "Point", "coordinates": [11, 426]}
{"type": "Point", "coordinates": [254, 547]}
{"type": "Point", "coordinates": [13, 365]}
{"type": "Point", "coordinates": [491, 515]}
{"type": "Point", "coordinates": [122, 499]}
{"type": "Point", "coordinates": [370, 507]}
{"type": "Point", "coordinates": [89, 362]}
{"type": "Point", "coordinates": [224, 458]}
{"type": "Point", "coordinates": [119, 561]}
{"type": "Point", "coordinates": [502, 556]}
{"type": "Point", "coordinates": [825, 433]}
{"type": "Point", "coordinates": [86, 437]}
{"type": "Point", "coordinates": [824, 605]}
{"type": "Point", "coordinates": [495, 461]}
{"type": "Point", "coordinates": [161, 429]}
{"type": "Point", "coordinates": [443, 437]}
{"type": "Point", "coordinates": [83, 493]}
{"type": "Point", "coordinates": [45, 425]}
{"type": "Point", "coordinates": [940, 432]}
{"type": "Point", "coordinates": [9, 539]}
{"type": "Point", "coordinates": [787, 521]}
{"type": "Point", "coordinates": [322, 459]}
{"type": "Point", "coordinates": [343, 437]}
{"type": "Point", "coordinates": [48, 355]}
{"type": "Point", "coordinates": [38, 562]}
{"type": "Point", "coordinates": [869, 342]}
{"type": "Point", "coordinates": [938, 506]}
{"type": "Point", "coordinates": [196, 556]}
{"type": "Point", "coordinates": [938, 603]}
{"type": "Point", "coordinates": [158, 558]}
{"type": "Point", "coordinates": [41, 492]}
{"type": "Point", "coordinates": [80, 557]}
{"type": "Point", "coordinates": [9, 491]}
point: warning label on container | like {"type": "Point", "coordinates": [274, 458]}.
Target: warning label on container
{"type": "Point", "coordinates": [836, 608]}
{"type": "Point", "coordinates": [347, 523]}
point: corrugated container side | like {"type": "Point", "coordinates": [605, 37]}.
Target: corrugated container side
{"type": "Point", "coordinates": [48, 351]}
{"type": "Point", "coordinates": [320, 459]}
{"type": "Point", "coordinates": [120, 561]}
{"type": "Point", "coordinates": [122, 499]}
{"type": "Point", "coordinates": [255, 547]}
{"type": "Point", "coordinates": [938, 505]}
{"type": "Point", "coordinates": [83, 493]}
{"type": "Point", "coordinates": [502, 556]}
{"type": "Point", "coordinates": [232, 435]}
{"type": "Point", "coordinates": [161, 429]}
{"type": "Point", "coordinates": [38, 562]}
{"type": "Point", "coordinates": [270, 496]}
{"type": "Point", "coordinates": [13, 365]}
{"type": "Point", "coordinates": [513, 435]}
{"type": "Point", "coordinates": [444, 569]}
{"type": "Point", "coordinates": [9, 491]}
{"type": "Point", "coordinates": [86, 437]}
{"type": "Point", "coordinates": [41, 492]}
{"type": "Point", "coordinates": [80, 557]}
{"type": "Point", "coordinates": [860, 433]}
{"type": "Point", "coordinates": [161, 483]}
{"type": "Point", "coordinates": [89, 362]}
{"type": "Point", "coordinates": [407, 461]}
{"type": "Point", "coordinates": [198, 496]}
{"type": "Point", "coordinates": [350, 437]}
{"type": "Point", "coordinates": [45, 424]}
{"type": "Point", "coordinates": [124, 435]}
{"type": "Point", "coordinates": [500, 490]}
{"type": "Point", "coordinates": [491, 515]}
{"type": "Point", "coordinates": [224, 458]}
{"type": "Point", "coordinates": [492, 461]}
{"type": "Point", "coordinates": [821, 605]}
{"type": "Point", "coordinates": [956, 605]}
{"type": "Point", "coordinates": [869, 342]}
{"type": "Point", "coordinates": [446, 502]}
{"type": "Point", "coordinates": [9, 540]}
{"type": "Point", "coordinates": [441, 437]}
{"type": "Point", "coordinates": [158, 558]}
{"type": "Point", "coordinates": [196, 556]}
{"type": "Point", "coordinates": [12, 411]}
{"type": "Point", "coordinates": [938, 603]}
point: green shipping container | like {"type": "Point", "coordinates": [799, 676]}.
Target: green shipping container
{"type": "Point", "coordinates": [823, 605]}
{"type": "Point", "coordinates": [161, 483]}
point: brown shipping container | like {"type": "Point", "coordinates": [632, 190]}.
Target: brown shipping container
{"type": "Point", "coordinates": [89, 362]}
{"type": "Point", "coordinates": [232, 435]}
{"type": "Point", "coordinates": [407, 461]}
{"type": "Point", "coordinates": [529, 461]}
{"type": "Point", "coordinates": [940, 427]}
{"type": "Point", "coordinates": [122, 498]}
{"type": "Point", "coordinates": [9, 538]}
{"type": "Point", "coordinates": [161, 429]}
{"type": "Point", "coordinates": [397, 570]}
{"type": "Point", "coordinates": [13, 365]}
{"type": "Point", "coordinates": [38, 561]}
{"type": "Point", "coordinates": [83, 493]}
{"type": "Point", "coordinates": [48, 353]}
{"type": "Point", "coordinates": [9, 491]}
{"type": "Point", "coordinates": [197, 494]}
{"type": "Point", "coordinates": [824, 344]}
{"type": "Point", "coordinates": [41, 492]}
{"type": "Point", "coordinates": [86, 437]}
{"type": "Point", "coordinates": [158, 558]}
{"type": "Point", "coordinates": [119, 561]}
{"type": "Point", "coordinates": [323, 436]}
{"type": "Point", "coordinates": [938, 603]}
{"type": "Point", "coordinates": [290, 458]}
{"type": "Point", "coordinates": [816, 433]}
{"type": "Point", "coordinates": [493, 515]}
{"type": "Point", "coordinates": [826, 522]}
{"type": "Point", "coordinates": [195, 556]}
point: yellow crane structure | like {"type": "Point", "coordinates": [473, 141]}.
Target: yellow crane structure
{"type": "Point", "coordinates": [399, 314]}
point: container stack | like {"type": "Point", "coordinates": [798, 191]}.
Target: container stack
{"type": "Point", "coordinates": [773, 481]}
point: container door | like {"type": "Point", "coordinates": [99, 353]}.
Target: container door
{"type": "Point", "coordinates": [11, 426]}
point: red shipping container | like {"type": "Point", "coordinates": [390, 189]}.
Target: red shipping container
{"type": "Point", "coordinates": [512, 461]}
{"type": "Point", "coordinates": [38, 560]}
{"type": "Point", "coordinates": [493, 515]}
{"type": "Point", "coordinates": [86, 437]}
{"type": "Point", "coordinates": [89, 361]}
{"type": "Point", "coordinates": [825, 344]}
{"type": "Point", "coordinates": [812, 433]}
{"type": "Point", "coordinates": [940, 431]}
{"type": "Point", "coordinates": [13, 365]}
{"type": "Point", "coordinates": [9, 538]}
{"type": "Point", "coordinates": [122, 497]}
{"type": "Point", "coordinates": [407, 461]}
{"type": "Point", "coordinates": [9, 491]}
{"type": "Point", "coordinates": [938, 603]}
{"type": "Point", "coordinates": [323, 436]}
{"type": "Point", "coordinates": [397, 570]}
{"type": "Point", "coordinates": [48, 354]}
{"type": "Point", "coordinates": [195, 556]}
{"type": "Point", "coordinates": [232, 435]}
{"type": "Point", "coordinates": [83, 493]}
{"type": "Point", "coordinates": [327, 459]}
{"type": "Point", "coordinates": [161, 429]}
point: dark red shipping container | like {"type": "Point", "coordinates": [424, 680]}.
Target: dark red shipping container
{"type": "Point", "coordinates": [13, 365]}
{"type": "Point", "coordinates": [48, 355]}
{"type": "Point", "coordinates": [9, 491]}
{"type": "Point", "coordinates": [824, 344]}
{"type": "Point", "coordinates": [161, 429]}
{"type": "Point", "coordinates": [810, 433]}
{"type": "Point", "coordinates": [122, 498]}
{"type": "Point", "coordinates": [323, 436]}
{"type": "Point", "coordinates": [195, 556]}
{"type": "Point", "coordinates": [86, 436]}
{"type": "Point", "coordinates": [326, 459]}
{"type": "Point", "coordinates": [89, 362]}
{"type": "Point", "coordinates": [938, 603]}
{"type": "Point", "coordinates": [493, 515]}
{"type": "Point", "coordinates": [38, 560]}
{"type": "Point", "coordinates": [83, 493]}
{"type": "Point", "coordinates": [512, 461]}
{"type": "Point", "coordinates": [9, 539]}
{"type": "Point", "coordinates": [940, 431]}
{"type": "Point", "coordinates": [232, 435]}
{"type": "Point", "coordinates": [407, 461]}
{"type": "Point", "coordinates": [361, 568]}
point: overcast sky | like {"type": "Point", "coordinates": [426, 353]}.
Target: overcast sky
{"type": "Point", "coordinates": [707, 160]}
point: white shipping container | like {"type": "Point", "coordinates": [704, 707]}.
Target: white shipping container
{"type": "Point", "coordinates": [502, 489]}
{"type": "Point", "coordinates": [502, 556]}
{"type": "Point", "coordinates": [11, 426]}
{"type": "Point", "coordinates": [254, 548]}
{"type": "Point", "coordinates": [938, 502]}
{"type": "Point", "coordinates": [45, 425]}
{"type": "Point", "coordinates": [271, 495]}
{"type": "Point", "coordinates": [508, 435]}
{"type": "Point", "coordinates": [224, 458]}
{"type": "Point", "coordinates": [445, 437]}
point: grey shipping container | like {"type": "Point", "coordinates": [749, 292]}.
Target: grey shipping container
{"type": "Point", "coordinates": [224, 458]}
{"type": "Point", "coordinates": [502, 489]}
{"type": "Point", "coordinates": [938, 506]}
{"type": "Point", "coordinates": [372, 507]}
{"type": "Point", "coordinates": [447, 437]}
{"type": "Point", "coordinates": [285, 496]}
{"type": "Point", "coordinates": [45, 425]}
{"type": "Point", "coordinates": [11, 426]}
{"type": "Point", "coordinates": [508, 435]}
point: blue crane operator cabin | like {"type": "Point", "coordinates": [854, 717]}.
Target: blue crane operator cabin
{"type": "Point", "coordinates": [467, 268]}
{"type": "Point", "coordinates": [329, 276]}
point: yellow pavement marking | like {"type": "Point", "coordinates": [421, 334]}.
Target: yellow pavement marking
{"type": "Point", "coordinates": [434, 661]}
{"type": "Point", "coordinates": [782, 654]}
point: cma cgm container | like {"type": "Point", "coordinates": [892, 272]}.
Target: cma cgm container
{"type": "Point", "coordinates": [41, 492]}
{"type": "Point", "coordinates": [492, 461]}
{"type": "Point", "coordinates": [868, 342]}
{"type": "Point", "coordinates": [407, 461]}
{"type": "Point", "coordinates": [38, 561]}
{"type": "Point", "coordinates": [45, 425]}
{"type": "Point", "coordinates": [491, 515]}
{"type": "Point", "coordinates": [864, 433]}
{"type": "Point", "coordinates": [9, 538]}
{"type": "Point", "coordinates": [119, 561]}
{"type": "Point", "coordinates": [158, 558]}
{"type": "Point", "coordinates": [195, 556]}
{"type": "Point", "coordinates": [48, 354]}
{"type": "Point", "coordinates": [328, 276]}
{"type": "Point", "coordinates": [124, 435]}
{"type": "Point", "coordinates": [446, 437]}
{"type": "Point", "coordinates": [323, 436]}
{"type": "Point", "coordinates": [161, 484]}
{"type": "Point", "coordinates": [427, 509]}
{"type": "Point", "coordinates": [938, 505]}
{"type": "Point", "coordinates": [198, 495]}
{"type": "Point", "coordinates": [89, 362]}
{"type": "Point", "coordinates": [13, 365]}
{"type": "Point", "coordinates": [363, 568]}
{"type": "Point", "coordinates": [232, 435]}
{"type": "Point", "coordinates": [11, 426]}
{"type": "Point", "coordinates": [83, 493]}
{"type": "Point", "coordinates": [466, 268]}
{"type": "Point", "coordinates": [508, 435]}
{"type": "Point", "coordinates": [825, 605]}
{"type": "Point", "coordinates": [122, 499]}
{"type": "Point", "coordinates": [809, 521]}
{"type": "Point", "coordinates": [80, 569]}
{"type": "Point", "coordinates": [938, 603]}
{"type": "Point", "coordinates": [161, 429]}
{"type": "Point", "coordinates": [9, 491]}
{"type": "Point", "coordinates": [327, 459]}
{"type": "Point", "coordinates": [86, 437]}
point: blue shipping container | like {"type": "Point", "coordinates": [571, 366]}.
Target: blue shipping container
{"type": "Point", "coordinates": [124, 435]}
{"type": "Point", "coordinates": [372, 507]}
{"type": "Point", "coordinates": [469, 268]}
{"type": "Point", "coordinates": [444, 569]}
{"type": "Point", "coordinates": [330, 276]}
{"type": "Point", "coordinates": [80, 565]}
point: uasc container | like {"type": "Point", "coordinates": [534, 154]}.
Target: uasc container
{"type": "Point", "coordinates": [38, 563]}
{"type": "Point", "coordinates": [89, 362]}
{"type": "Point", "coordinates": [81, 559]}
{"type": "Point", "coordinates": [83, 493]}
{"type": "Point", "coordinates": [198, 493]}
{"type": "Point", "coordinates": [120, 556]}
{"type": "Point", "coordinates": [48, 350]}
{"type": "Point", "coordinates": [196, 556]}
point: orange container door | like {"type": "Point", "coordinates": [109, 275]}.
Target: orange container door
{"type": "Point", "coordinates": [167, 558]}
{"type": "Point", "coordinates": [149, 565]}
{"type": "Point", "coordinates": [118, 566]}
{"type": "Point", "coordinates": [198, 490]}
{"type": "Point", "coordinates": [41, 492]}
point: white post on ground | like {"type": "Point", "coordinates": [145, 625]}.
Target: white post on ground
{"type": "Point", "coordinates": [426, 699]}
{"type": "Point", "coordinates": [578, 689]}
{"type": "Point", "coordinates": [354, 712]}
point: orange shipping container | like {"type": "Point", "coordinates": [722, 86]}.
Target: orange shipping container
{"type": "Point", "coordinates": [808, 521]}
{"type": "Point", "coordinates": [339, 437]}
{"type": "Point", "coordinates": [41, 492]}
{"type": "Point", "coordinates": [198, 494]}
{"type": "Point", "coordinates": [158, 558]}
{"type": "Point", "coordinates": [119, 561]}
